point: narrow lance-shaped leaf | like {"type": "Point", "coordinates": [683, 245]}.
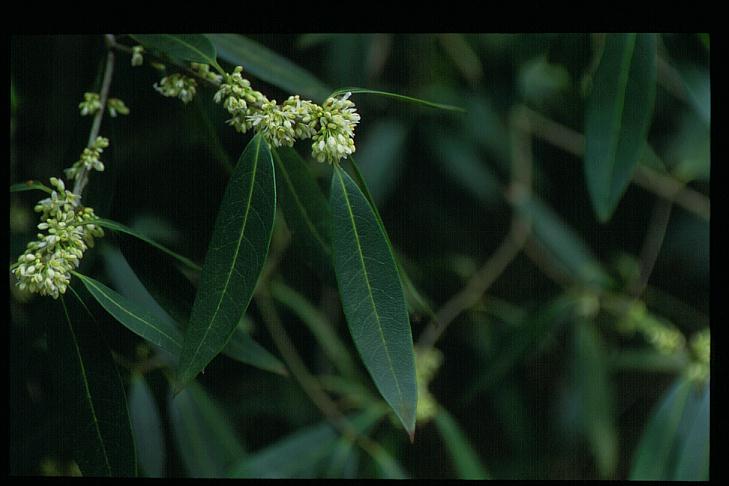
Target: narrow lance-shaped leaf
{"type": "Point", "coordinates": [465, 459]}
{"type": "Point", "coordinates": [372, 297]}
{"type": "Point", "coordinates": [149, 435]}
{"type": "Point", "coordinates": [115, 226]}
{"type": "Point", "coordinates": [268, 66]}
{"type": "Point", "coordinates": [617, 117]}
{"type": "Point", "coordinates": [693, 454]}
{"type": "Point", "coordinates": [244, 349]}
{"type": "Point", "coordinates": [235, 258]}
{"type": "Point", "coordinates": [305, 209]}
{"type": "Point", "coordinates": [96, 418]}
{"type": "Point", "coordinates": [398, 97]}
{"type": "Point", "coordinates": [134, 317]}
{"type": "Point", "coordinates": [30, 186]}
{"type": "Point", "coordinates": [183, 47]}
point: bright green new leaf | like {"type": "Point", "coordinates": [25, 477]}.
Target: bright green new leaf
{"type": "Point", "coordinates": [618, 114]}
{"type": "Point", "coordinates": [149, 436]}
{"type": "Point", "coordinates": [183, 47]}
{"type": "Point", "coordinates": [114, 226]}
{"type": "Point", "coordinates": [134, 317]}
{"type": "Point", "coordinates": [235, 258]}
{"type": "Point", "coordinates": [398, 97]}
{"type": "Point", "coordinates": [305, 209]}
{"type": "Point", "coordinates": [372, 297]}
{"type": "Point", "coordinates": [268, 66]}
{"type": "Point", "coordinates": [465, 459]}
{"type": "Point", "coordinates": [204, 435]}
{"type": "Point", "coordinates": [96, 417]}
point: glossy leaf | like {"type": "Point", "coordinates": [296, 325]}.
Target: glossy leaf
{"type": "Point", "coordinates": [305, 209]}
{"type": "Point", "coordinates": [114, 226]}
{"type": "Point", "coordinates": [183, 47]}
{"type": "Point", "coordinates": [464, 458]}
{"type": "Point", "coordinates": [268, 66]}
{"type": "Point", "coordinates": [244, 349]}
{"type": "Point", "coordinates": [96, 417]}
{"type": "Point", "coordinates": [134, 317]}
{"type": "Point", "coordinates": [322, 330]}
{"type": "Point", "coordinates": [300, 455]}
{"type": "Point", "coordinates": [372, 297]}
{"type": "Point", "coordinates": [204, 435]}
{"type": "Point", "coordinates": [30, 186]}
{"type": "Point", "coordinates": [652, 459]}
{"type": "Point", "coordinates": [398, 97]}
{"type": "Point", "coordinates": [618, 114]}
{"type": "Point", "coordinates": [149, 436]}
{"type": "Point", "coordinates": [236, 254]}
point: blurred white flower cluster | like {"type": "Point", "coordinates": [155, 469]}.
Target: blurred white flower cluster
{"type": "Point", "coordinates": [177, 86]}
{"type": "Point", "coordinates": [89, 159]}
{"type": "Point", "coordinates": [45, 266]}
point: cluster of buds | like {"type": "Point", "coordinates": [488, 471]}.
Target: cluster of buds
{"type": "Point", "coordinates": [46, 265]}
{"type": "Point", "coordinates": [698, 371]}
{"type": "Point", "coordinates": [663, 336]}
{"type": "Point", "coordinates": [137, 58]}
{"type": "Point", "coordinates": [116, 106]}
{"type": "Point", "coordinates": [89, 159]}
{"type": "Point", "coordinates": [330, 126]}
{"type": "Point", "coordinates": [203, 70]}
{"type": "Point", "coordinates": [177, 86]}
{"type": "Point", "coordinates": [90, 105]}
{"type": "Point", "coordinates": [427, 363]}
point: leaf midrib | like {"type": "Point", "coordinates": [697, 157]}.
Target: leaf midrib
{"type": "Point", "coordinates": [237, 250]}
{"type": "Point", "coordinates": [84, 379]}
{"type": "Point", "coordinates": [369, 289]}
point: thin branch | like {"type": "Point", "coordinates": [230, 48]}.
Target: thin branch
{"type": "Point", "coordinates": [83, 177]}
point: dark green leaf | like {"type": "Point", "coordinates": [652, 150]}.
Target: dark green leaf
{"type": "Point", "coordinates": [618, 114]}
{"type": "Point", "coordinates": [204, 436]}
{"type": "Point", "coordinates": [235, 258]}
{"type": "Point", "coordinates": [182, 47]}
{"type": "Point", "coordinates": [300, 454]}
{"type": "Point", "coordinates": [372, 297]}
{"type": "Point", "coordinates": [322, 330]}
{"type": "Point", "coordinates": [305, 209]}
{"type": "Point", "coordinates": [464, 458]}
{"type": "Point", "coordinates": [243, 348]}
{"type": "Point", "coordinates": [693, 453]}
{"type": "Point", "coordinates": [30, 186]}
{"type": "Point", "coordinates": [134, 317]}
{"type": "Point", "coordinates": [398, 97]}
{"type": "Point", "coordinates": [114, 226]}
{"type": "Point", "coordinates": [595, 397]}
{"type": "Point", "coordinates": [652, 459]}
{"type": "Point", "coordinates": [95, 411]}
{"type": "Point", "coordinates": [149, 436]}
{"type": "Point", "coordinates": [268, 66]}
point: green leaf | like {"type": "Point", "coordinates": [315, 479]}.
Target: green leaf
{"type": "Point", "coordinates": [693, 454]}
{"type": "Point", "coordinates": [652, 459]}
{"type": "Point", "coordinates": [595, 397]}
{"type": "Point", "coordinates": [300, 454]}
{"type": "Point", "coordinates": [269, 66]}
{"type": "Point", "coordinates": [465, 459]}
{"type": "Point", "coordinates": [617, 117]}
{"type": "Point", "coordinates": [305, 209]}
{"type": "Point", "coordinates": [135, 317]}
{"type": "Point", "coordinates": [96, 418]}
{"type": "Point", "coordinates": [183, 47]}
{"type": "Point", "coordinates": [243, 348]}
{"type": "Point", "coordinates": [149, 436]}
{"type": "Point", "coordinates": [398, 97]}
{"type": "Point", "coordinates": [114, 226]}
{"type": "Point", "coordinates": [322, 330]}
{"type": "Point", "coordinates": [381, 154]}
{"type": "Point", "coordinates": [563, 243]}
{"type": "Point", "coordinates": [372, 297]}
{"type": "Point", "coordinates": [30, 186]}
{"type": "Point", "coordinates": [204, 435]}
{"type": "Point", "coordinates": [235, 258]}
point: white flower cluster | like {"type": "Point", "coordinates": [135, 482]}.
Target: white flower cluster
{"type": "Point", "coordinates": [137, 58]}
{"type": "Point", "coordinates": [90, 105]}
{"type": "Point", "coordinates": [45, 266]}
{"type": "Point", "coordinates": [177, 86]}
{"type": "Point", "coordinates": [330, 126]}
{"type": "Point", "coordinates": [89, 159]}
{"type": "Point", "coordinates": [116, 106]}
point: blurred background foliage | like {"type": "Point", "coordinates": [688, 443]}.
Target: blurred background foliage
{"type": "Point", "coordinates": [582, 360]}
